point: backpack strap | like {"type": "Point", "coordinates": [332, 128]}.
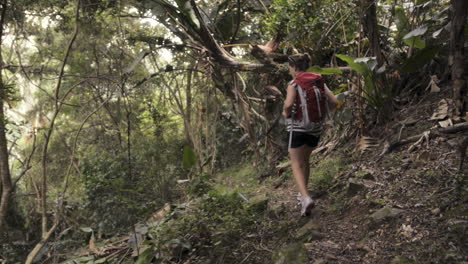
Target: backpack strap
{"type": "Point", "coordinates": [317, 96]}
{"type": "Point", "coordinates": [326, 101]}
{"type": "Point", "coordinates": [303, 98]}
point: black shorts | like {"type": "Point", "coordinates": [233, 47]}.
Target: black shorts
{"type": "Point", "coordinates": [301, 138]}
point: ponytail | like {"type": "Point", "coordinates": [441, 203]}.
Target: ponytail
{"type": "Point", "coordinates": [300, 61]}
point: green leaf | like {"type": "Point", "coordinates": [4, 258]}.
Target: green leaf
{"type": "Point", "coordinates": [419, 59]}
{"type": "Point", "coordinates": [437, 33]}
{"type": "Point", "coordinates": [415, 42]}
{"type": "Point", "coordinates": [413, 38]}
{"type": "Point", "coordinates": [324, 71]}
{"type": "Point", "coordinates": [370, 61]}
{"type": "Point", "coordinates": [401, 20]}
{"type": "Point", "coordinates": [183, 13]}
{"type": "Point", "coordinates": [190, 158]}
{"type": "Point", "coordinates": [225, 24]}
{"type": "Point", "coordinates": [101, 260]}
{"type": "Point", "coordinates": [381, 69]}
{"type": "Point", "coordinates": [341, 90]}
{"type": "Point", "coordinates": [420, 2]}
{"type": "Point", "coordinates": [369, 87]}
{"type": "Point", "coordinates": [358, 67]}
{"type": "Point", "coordinates": [145, 257]}
{"type": "Point", "coordinates": [186, 8]}
{"type": "Point", "coordinates": [181, 243]}
{"type": "Point", "coordinates": [362, 66]}
{"type": "Point", "coordinates": [416, 33]}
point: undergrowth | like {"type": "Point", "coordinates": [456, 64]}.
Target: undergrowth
{"type": "Point", "coordinates": [217, 227]}
{"type": "Point", "coordinates": [324, 173]}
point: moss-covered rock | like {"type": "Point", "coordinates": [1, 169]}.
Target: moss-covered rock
{"type": "Point", "coordinates": [308, 232]}
{"type": "Point", "coordinates": [354, 186]}
{"type": "Point", "coordinates": [366, 175]}
{"type": "Point", "coordinates": [259, 203]}
{"type": "Point", "coordinates": [401, 260]}
{"type": "Point", "coordinates": [384, 214]}
{"type": "Point", "coordinates": [291, 254]}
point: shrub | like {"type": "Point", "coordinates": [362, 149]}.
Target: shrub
{"type": "Point", "coordinates": [199, 186]}
{"type": "Point", "coordinates": [217, 226]}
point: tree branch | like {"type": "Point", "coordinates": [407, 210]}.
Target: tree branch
{"type": "Point", "coordinates": [238, 22]}
{"type": "Point", "coordinates": [142, 81]}
{"type": "Point", "coordinates": [27, 165]}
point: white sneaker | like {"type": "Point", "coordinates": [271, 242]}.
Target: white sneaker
{"type": "Point", "coordinates": [299, 198]}
{"type": "Point", "coordinates": [307, 205]}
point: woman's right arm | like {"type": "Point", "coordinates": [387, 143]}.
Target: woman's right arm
{"type": "Point", "coordinates": [332, 101]}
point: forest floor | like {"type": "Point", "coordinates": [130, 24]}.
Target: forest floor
{"type": "Point", "coordinates": [407, 206]}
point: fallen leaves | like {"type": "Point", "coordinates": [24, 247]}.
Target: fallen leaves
{"type": "Point", "coordinates": [410, 233]}
{"type": "Point", "coordinates": [442, 110]}
{"type": "Point", "coordinates": [407, 231]}
{"type": "Point", "coordinates": [367, 143]}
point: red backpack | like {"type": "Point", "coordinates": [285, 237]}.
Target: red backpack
{"type": "Point", "coordinates": [311, 101]}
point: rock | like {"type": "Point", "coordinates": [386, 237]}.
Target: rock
{"type": "Point", "coordinates": [259, 203]}
{"type": "Point", "coordinates": [366, 175]}
{"type": "Point", "coordinates": [308, 232]}
{"type": "Point", "coordinates": [291, 254]}
{"type": "Point", "coordinates": [385, 213]}
{"type": "Point", "coordinates": [401, 260]}
{"type": "Point", "coordinates": [362, 245]}
{"type": "Point", "coordinates": [454, 142]}
{"type": "Point", "coordinates": [320, 261]}
{"type": "Point", "coordinates": [424, 155]}
{"type": "Point", "coordinates": [354, 186]}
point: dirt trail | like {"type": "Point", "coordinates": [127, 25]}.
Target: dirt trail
{"type": "Point", "coordinates": [412, 211]}
{"type": "Point", "coordinates": [410, 206]}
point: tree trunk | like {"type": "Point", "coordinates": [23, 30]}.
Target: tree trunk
{"type": "Point", "coordinates": [369, 21]}
{"type": "Point", "coordinates": [457, 42]}
{"type": "Point", "coordinates": [58, 106]}
{"type": "Point", "coordinates": [188, 109]}
{"type": "Point", "coordinates": [4, 167]}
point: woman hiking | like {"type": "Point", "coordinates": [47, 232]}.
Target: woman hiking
{"type": "Point", "coordinates": [307, 101]}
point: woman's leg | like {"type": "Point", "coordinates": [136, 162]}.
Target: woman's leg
{"type": "Point", "coordinates": [307, 151]}
{"type": "Point", "coordinates": [298, 166]}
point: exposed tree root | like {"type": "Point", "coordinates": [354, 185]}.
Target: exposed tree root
{"type": "Point", "coordinates": [427, 135]}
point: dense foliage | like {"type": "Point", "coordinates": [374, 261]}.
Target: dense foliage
{"type": "Point", "coordinates": [110, 103]}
